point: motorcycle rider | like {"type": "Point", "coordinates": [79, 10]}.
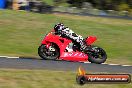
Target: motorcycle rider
{"type": "Point", "coordinates": [60, 29]}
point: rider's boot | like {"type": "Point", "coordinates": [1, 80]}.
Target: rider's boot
{"type": "Point", "coordinates": [85, 48]}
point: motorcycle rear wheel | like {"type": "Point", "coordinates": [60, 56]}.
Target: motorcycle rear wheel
{"type": "Point", "coordinates": [97, 57]}
{"type": "Point", "coordinates": [45, 54]}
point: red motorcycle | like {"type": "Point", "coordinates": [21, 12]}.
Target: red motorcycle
{"type": "Point", "coordinates": [55, 47]}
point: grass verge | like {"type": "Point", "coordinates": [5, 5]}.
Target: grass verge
{"type": "Point", "coordinates": [13, 78]}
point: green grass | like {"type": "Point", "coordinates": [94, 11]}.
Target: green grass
{"type": "Point", "coordinates": [12, 78]}
{"type": "Point", "coordinates": [21, 33]}
{"type": "Point", "coordinates": [52, 3]}
{"type": "Point", "coordinates": [49, 2]}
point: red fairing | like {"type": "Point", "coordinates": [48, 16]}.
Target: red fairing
{"type": "Point", "coordinates": [90, 40]}
{"type": "Point", "coordinates": [74, 56]}
{"type": "Point", "coordinates": [62, 43]}
{"type": "Point", "coordinates": [59, 41]}
{"type": "Point", "coordinates": [54, 47]}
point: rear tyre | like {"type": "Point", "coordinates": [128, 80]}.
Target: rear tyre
{"type": "Point", "coordinates": [98, 55]}
{"type": "Point", "coordinates": [48, 54]}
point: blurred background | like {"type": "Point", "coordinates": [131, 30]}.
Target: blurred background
{"type": "Point", "coordinates": [111, 8]}
{"type": "Point", "coordinates": [23, 24]}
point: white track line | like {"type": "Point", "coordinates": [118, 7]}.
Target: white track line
{"type": "Point", "coordinates": [87, 62]}
{"type": "Point", "coordinates": [126, 65]}
{"type": "Point", "coordinates": [12, 57]}
{"type": "Point", "coordinates": [111, 64]}
{"type": "Point", "coordinates": [83, 62]}
{"type": "Point", "coordinates": [4, 56]}
{"type": "Point", "coordinates": [7, 57]}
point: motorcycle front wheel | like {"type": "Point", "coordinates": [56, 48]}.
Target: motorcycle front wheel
{"type": "Point", "coordinates": [52, 53]}
{"type": "Point", "coordinates": [98, 55]}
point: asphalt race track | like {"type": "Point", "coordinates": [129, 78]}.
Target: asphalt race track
{"type": "Point", "coordinates": [28, 63]}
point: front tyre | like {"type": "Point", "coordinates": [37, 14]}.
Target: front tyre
{"type": "Point", "coordinates": [52, 53]}
{"type": "Point", "coordinates": [98, 55]}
